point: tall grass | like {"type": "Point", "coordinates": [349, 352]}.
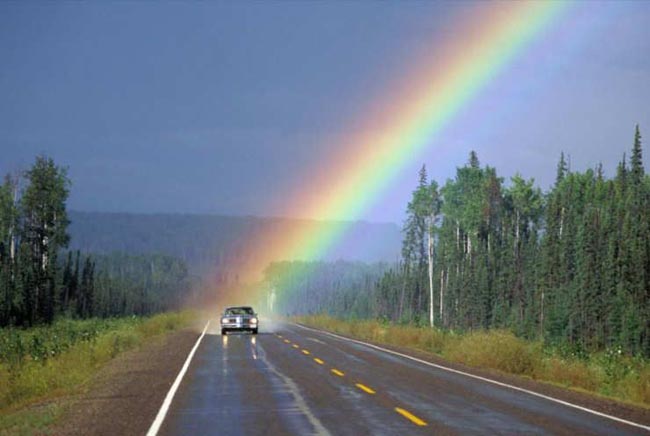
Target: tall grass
{"type": "Point", "coordinates": [609, 373]}
{"type": "Point", "coordinates": [51, 361]}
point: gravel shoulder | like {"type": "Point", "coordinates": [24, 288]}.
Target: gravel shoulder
{"type": "Point", "coordinates": [125, 396]}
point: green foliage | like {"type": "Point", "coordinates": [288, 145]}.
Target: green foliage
{"type": "Point", "coordinates": [30, 421]}
{"type": "Point", "coordinates": [570, 267]}
{"type": "Point", "coordinates": [43, 225]}
{"type": "Point", "coordinates": [55, 360]}
{"type": "Point", "coordinates": [38, 284]}
{"type": "Point", "coordinates": [39, 344]}
{"type": "Point", "coordinates": [495, 349]}
{"type": "Point", "coordinates": [138, 284]}
{"type": "Point", "coordinates": [338, 288]}
{"type": "Point", "coordinates": [418, 251]}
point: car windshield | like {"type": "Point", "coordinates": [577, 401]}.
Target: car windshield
{"type": "Point", "coordinates": [239, 311]}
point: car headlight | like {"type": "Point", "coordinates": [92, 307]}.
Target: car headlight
{"type": "Point", "coordinates": [224, 320]}
{"type": "Point", "coordinates": [253, 320]}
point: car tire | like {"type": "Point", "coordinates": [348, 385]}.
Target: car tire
{"type": "Point", "coordinates": [223, 331]}
{"type": "Point", "coordinates": [254, 331]}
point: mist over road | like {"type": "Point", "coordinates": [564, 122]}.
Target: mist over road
{"type": "Point", "coordinates": [293, 380]}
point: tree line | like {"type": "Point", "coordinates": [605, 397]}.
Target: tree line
{"type": "Point", "coordinates": [341, 288]}
{"type": "Point", "coordinates": [39, 281]}
{"type": "Point", "coordinates": [568, 266]}
{"type": "Point", "coordinates": [211, 244]}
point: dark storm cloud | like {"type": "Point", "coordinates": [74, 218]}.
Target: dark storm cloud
{"type": "Point", "coordinates": [216, 107]}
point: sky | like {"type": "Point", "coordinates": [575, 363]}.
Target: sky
{"type": "Point", "coordinates": [228, 107]}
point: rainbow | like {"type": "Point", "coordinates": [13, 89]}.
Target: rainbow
{"type": "Point", "coordinates": [485, 42]}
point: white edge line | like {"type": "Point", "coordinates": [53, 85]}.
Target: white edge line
{"type": "Point", "coordinates": [424, 362]}
{"type": "Point", "coordinates": [160, 417]}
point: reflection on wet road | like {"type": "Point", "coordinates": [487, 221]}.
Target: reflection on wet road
{"type": "Point", "coordinates": [234, 389]}
{"type": "Point", "coordinates": [289, 380]}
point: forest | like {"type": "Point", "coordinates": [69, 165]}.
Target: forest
{"type": "Point", "coordinates": [209, 244]}
{"type": "Point", "coordinates": [566, 266]}
{"type": "Point", "coordinates": [40, 281]}
{"type": "Point", "coordinates": [341, 288]}
{"type": "Point", "coordinates": [570, 266]}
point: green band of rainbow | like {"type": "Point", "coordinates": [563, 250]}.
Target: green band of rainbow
{"type": "Point", "coordinates": [440, 95]}
{"type": "Point", "coordinates": [487, 42]}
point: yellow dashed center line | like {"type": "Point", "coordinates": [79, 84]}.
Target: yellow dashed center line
{"type": "Point", "coordinates": [365, 388]}
{"type": "Point", "coordinates": [368, 390]}
{"type": "Point", "coordinates": [408, 415]}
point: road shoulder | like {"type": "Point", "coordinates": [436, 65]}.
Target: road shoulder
{"type": "Point", "coordinates": [126, 394]}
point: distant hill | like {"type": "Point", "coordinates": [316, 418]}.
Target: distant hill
{"type": "Point", "coordinates": [206, 241]}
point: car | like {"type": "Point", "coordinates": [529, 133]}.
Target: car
{"type": "Point", "coordinates": [239, 318]}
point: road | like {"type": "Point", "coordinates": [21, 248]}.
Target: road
{"type": "Point", "coordinates": [289, 380]}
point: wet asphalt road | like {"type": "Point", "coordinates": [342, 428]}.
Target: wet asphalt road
{"type": "Point", "coordinates": [292, 381]}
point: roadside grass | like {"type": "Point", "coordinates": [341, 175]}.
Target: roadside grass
{"type": "Point", "coordinates": [609, 373]}
{"type": "Point", "coordinates": [30, 421]}
{"type": "Point", "coordinates": [43, 364]}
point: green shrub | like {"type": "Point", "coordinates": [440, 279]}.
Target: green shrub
{"type": "Point", "coordinates": [54, 360]}
{"type": "Point", "coordinates": [574, 373]}
{"type": "Point", "coordinates": [497, 349]}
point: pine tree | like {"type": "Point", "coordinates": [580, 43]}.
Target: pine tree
{"type": "Point", "coordinates": [473, 160]}
{"type": "Point", "coordinates": [6, 285]}
{"type": "Point", "coordinates": [562, 170]}
{"type": "Point", "coordinates": [9, 218]}
{"type": "Point", "coordinates": [418, 250]}
{"type": "Point", "coordinates": [526, 203]}
{"type": "Point", "coordinates": [87, 289]}
{"type": "Point", "coordinates": [636, 160]}
{"type": "Point", "coordinates": [638, 243]}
